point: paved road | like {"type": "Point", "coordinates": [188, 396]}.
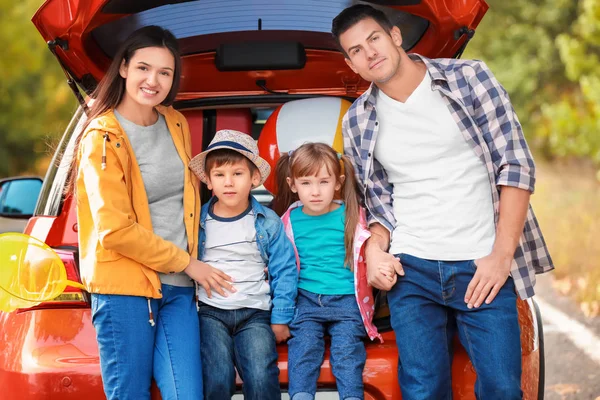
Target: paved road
{"type": "Point", "coordinates": [571, 373]}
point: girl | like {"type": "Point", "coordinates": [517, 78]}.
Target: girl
{"type": "Point", "coordinates": [138, 235]}
{"type": "Point", "coordinates": [333, 295]}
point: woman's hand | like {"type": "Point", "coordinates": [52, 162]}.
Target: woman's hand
{"type": "Point", "coordinates": [281, 331]}
{"type": "Point", "coordinates": [209, 277]}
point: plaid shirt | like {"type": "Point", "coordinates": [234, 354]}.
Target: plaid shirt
{"type": "Point", "coordinates": [483, 112]}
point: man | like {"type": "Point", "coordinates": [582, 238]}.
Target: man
{"type": "Point", "coordinates": [446, 177]}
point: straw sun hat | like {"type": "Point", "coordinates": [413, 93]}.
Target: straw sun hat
{"type": "Point", "coordinates": [232, 140]}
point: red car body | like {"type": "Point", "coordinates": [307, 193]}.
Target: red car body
{"type": "Point", "coordinates": [50, 351]}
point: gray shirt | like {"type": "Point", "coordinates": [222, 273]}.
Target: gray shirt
{"type": "Point", "coordinates": [162, 171]}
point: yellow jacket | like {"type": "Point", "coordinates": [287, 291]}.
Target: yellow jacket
{"type": "Point", "coordinates": [119, 253]}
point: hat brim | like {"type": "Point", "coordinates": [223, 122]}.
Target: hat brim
{"type": "Point", "coordinates": [198, 163]}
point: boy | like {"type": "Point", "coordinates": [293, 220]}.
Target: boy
{"type": "Point", "coordinates": [240, 237]}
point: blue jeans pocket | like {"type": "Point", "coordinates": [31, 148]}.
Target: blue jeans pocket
{"type": "Point", "coordinates": [94, 302]}
{"type": "Point", "coordinates": [473, 266]}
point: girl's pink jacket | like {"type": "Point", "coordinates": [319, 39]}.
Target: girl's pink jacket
{"type": "Point", "coordinates": [363, 292]}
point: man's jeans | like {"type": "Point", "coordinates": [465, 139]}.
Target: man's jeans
{"type": "Point", "coordinates": [242, 338]}
{"type": "Point", "coordinates": [425, 303]}
{"type": "Point", "coordinates": [339, 317]}
{"type": "Point", "coordinates": [132, 351]}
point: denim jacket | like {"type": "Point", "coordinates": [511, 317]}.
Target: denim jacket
{"type": "Point", "coordinates": [277, 253]}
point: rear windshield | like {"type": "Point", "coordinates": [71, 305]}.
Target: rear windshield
{"type": "Point", "coordinates": [200, 18]}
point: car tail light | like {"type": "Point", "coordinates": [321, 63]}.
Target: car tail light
{"type": "Point", "coordinates": [71, 297]}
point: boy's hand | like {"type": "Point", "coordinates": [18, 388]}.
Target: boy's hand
{"type": "Point", "coordinates": [209, 277]}
{"type": "Point", "coordinates": [281, 331]}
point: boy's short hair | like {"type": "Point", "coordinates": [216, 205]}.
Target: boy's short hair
{"type": "Point", "coordinates": [219, 157]}
{"type": "Point", "coordinates": [353, 15]}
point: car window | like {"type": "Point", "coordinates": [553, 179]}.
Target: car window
{"type": "Point", "coordinates": [51, 196]}
{"type": "Point", "coordinates": [20, 196]}
{"type": "Point", "coordinates": [259, 118]}
{"type": "Point", "coordinates": [198, 18]}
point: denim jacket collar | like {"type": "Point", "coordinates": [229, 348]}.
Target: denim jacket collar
{"type": "Point", "coordinates": [257, 208]}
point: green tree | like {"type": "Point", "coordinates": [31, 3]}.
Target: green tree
{"type": "Point", "coordinates": [546, 53]}
{"type": "Point", "coordinates": [34, 98]}
{"type": "Point", "coordinates": [573, 121]}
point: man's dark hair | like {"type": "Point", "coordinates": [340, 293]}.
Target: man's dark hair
{"type": "Point", "coordinates": [353, 15]}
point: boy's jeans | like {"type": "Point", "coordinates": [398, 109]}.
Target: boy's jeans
{"type": "Point", "coordinates": [132, 351]}
{"type": "Point", "coordinates": [242, 338]}
{"type": "Point", "coordinates": [318, 315]}
{"type": "Point", "coordinates": [422, 306]}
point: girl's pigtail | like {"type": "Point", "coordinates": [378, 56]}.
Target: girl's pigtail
{"type": "Point", "coordinates": [284, 197]}
{"type": "Point", "coordinates": [350, 196]}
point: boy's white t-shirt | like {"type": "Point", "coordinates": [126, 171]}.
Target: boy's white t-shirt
{"type": "Point", "coordinates": [231, 247]}
{"type": "Point", "coordinates": [442, 198]}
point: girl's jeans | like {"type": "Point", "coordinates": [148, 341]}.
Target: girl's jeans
{"type": "Point", "coordinates": [132, 351]}
{"type": "Point", "coordinates": [339, 317]}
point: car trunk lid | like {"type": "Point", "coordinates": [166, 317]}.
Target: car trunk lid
{"type": "Point", "coordinates": [84, 35]}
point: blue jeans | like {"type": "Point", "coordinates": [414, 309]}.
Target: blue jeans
{"type": "Point", "coordinates": [132, 351]}
{"type": "Point", "coordinates": [425, 304]}
{"type": "Point", "coordinates": [316, 316]}
{"type": "Point", "coordinates": [242, 339]}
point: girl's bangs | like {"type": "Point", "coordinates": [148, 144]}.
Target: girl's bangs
{"type": "Point", "coordinates": [310, 163]}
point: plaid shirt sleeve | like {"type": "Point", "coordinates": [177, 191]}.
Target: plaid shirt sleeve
{"type": "Point", "coordinates": [495, 116]}
{"type": "Point", "coordinates": [352, 153]}
{"type": "Point", "coordinates": [375, 189]}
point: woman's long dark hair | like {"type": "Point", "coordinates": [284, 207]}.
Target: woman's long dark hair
{"type": "Point", "coordinates": [110, 90]}
{"type": "Point", "coordinates": [307, 160]}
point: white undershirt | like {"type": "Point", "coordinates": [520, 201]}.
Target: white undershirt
{"type": "Point", "coordinates": [231, 247]}
{"type": "Point", "coordinates": [442, 196]}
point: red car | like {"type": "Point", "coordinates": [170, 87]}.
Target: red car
{"type": "Point", "coordinates": [240, 61]}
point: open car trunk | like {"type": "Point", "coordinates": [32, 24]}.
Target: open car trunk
{"type": "Point", "coordinates": [246, 47]}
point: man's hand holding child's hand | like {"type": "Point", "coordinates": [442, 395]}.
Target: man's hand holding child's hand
{"type": "Point", "coordinates": [382, 268]}
{"type": "Point", "coordinates": [281, 331]}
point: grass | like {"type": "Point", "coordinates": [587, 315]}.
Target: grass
{"type": "Point", "coordinates": [567, 204]}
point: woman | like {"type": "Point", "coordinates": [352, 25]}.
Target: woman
{"type": "Point", "coordinates": [138, 209]}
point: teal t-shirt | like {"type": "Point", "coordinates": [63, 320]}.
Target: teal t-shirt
{"type": "Point", "coordinates": [320, 243]}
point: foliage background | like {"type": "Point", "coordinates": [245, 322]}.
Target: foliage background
{"type": "Point", "coordinates": [35, 102]}
{"type": "Point", "coordinates": [545, 52]}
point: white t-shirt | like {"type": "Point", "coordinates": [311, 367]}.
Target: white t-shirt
{"type": "Point", "coordinates": [231, 246]}
{"type": "Point", "coordinates": [442, 198]}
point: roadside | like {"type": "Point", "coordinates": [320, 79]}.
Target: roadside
{"type": "Point", "coordinates": [571, 373]}
{"type": "Point", "coordinates": [567, 204]}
